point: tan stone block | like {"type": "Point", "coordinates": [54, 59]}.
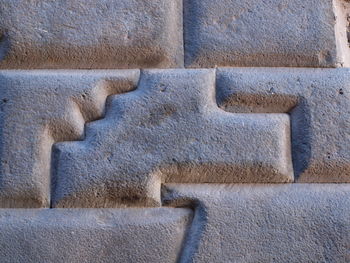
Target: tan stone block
{"type": "Point", "coordinates": [272, 33]}
{"type": "Point", "coordinates": [87, 34]}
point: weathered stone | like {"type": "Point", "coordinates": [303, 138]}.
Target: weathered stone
{"type": "Point", "coordinates": [39, 108]}
{"type": "Point", "coordinates": [91, 34]}
{"type": "Point", "coordinates": [274, 33]}
{"type": "Point", "coordinates": [64, 235]}
{"type": "Point", "coordinates": [318, 101]}
{"type": "Point", "coordinates": [266, 223]}
{"type": "Point", "coordinates": [169, 130]}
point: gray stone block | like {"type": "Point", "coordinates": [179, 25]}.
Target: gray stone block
{"type": "Point", "coordinates": [39, 108]}
{"type": "Point", "coordinates": [169, 129]}
{"type": "Point", "coordinates": [273, 33]}
{"type": "Point", "coordinates": [91, 34]}
{"type": "Point", "coordinates": [64, 235]}
{"type": "Point", "coordinates": [318, 102]}
{"type": "Point", "coordinates": [266, 223]}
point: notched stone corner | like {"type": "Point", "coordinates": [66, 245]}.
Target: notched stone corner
{"type": "Point", "coordinates": [40, 108]}
{"type": "Point", "coordinates": [169, 130]}
{"type": "Point", "coordinates": [319, 151]}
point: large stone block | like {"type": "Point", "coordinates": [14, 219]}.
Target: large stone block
{"type": "Point", "coordinates": [273, 33]}
{"type": "Point", "coordinates": [91, 34]}
{"type": "Point", "coordinates": [318, 102]}
{"type": "Point", "coordinates": [169, 129]}
{"type": "Point", "coordinates": [63, 235]}
{"type": "Point", "coordinates": [39, 108]}
{"type": "Point", "coordinates": [266, 223]}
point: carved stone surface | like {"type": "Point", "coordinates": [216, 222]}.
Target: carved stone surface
{"type": "Point", "coordinates": [273, 33]}
{"type": "Point", "coordinates": [39, 108]}
{"type": "Point", "coordinates": [157, 121]}
{"type": "Point", "coordinates": [318, 101]}
{"type": "Point", "coordinates": [93, 235]}
{"type": "Point", "coordinates": [91, 34]}
{"type": "Point", "coordinates": [169, 130]}
{"type": "Point", "coordinates": [266, 223]}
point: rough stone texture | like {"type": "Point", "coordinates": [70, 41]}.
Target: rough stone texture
{"type": "Point", "coordinates": [176, 138]}
{"type": "Point", "coordinates": [318, 101]}
{"type": "Point", "coordinates": [275, 33]}
{"type": "Point", "coordinates": [266, 223]}
{"type": "Point", "coordinates": [169, 130]}
{"type": "Point", "coordinates": [90, 34]}
{"type": "Point", "coordinates": [63, 235]}
{"type": "Point", "coordinates": [342, 30]}
{"type": "Point", "coordinates": [39, 108]}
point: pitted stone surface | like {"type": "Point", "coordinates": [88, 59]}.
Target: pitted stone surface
{"type": "Point", "coordinates": [38, 108]}
{"type": "Point", "coordinates": [266, 223]}
{"type": "Point", "coordinates": [273, 33]}
{"type": "Point", "coordinates": [168, 130]}
{"type": "Point", "coordinates": [318, 101]}
{"type": "Point", "coordinates": [93, 235]}
{"type": "Point", "coordinates": [91, 34]}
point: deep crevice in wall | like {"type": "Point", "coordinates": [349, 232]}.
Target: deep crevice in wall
{"type": "Point", "coordinates": [4, 45]}
{"type": "Point", "coordinates": [196, 227]}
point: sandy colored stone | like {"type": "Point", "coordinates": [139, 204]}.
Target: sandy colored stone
{"type": "Point", "coordinates": [169, 129]}
{"type": "Point", "coordinates": [265, 223]}
{"type": "Point", "coordinates": [272, 33]}
{"type": "Point", "coordinates": [318, 102]}
{"type": "Point", "coordinates": [90, 34]}
{"type": "Point", "coordinates": [93, 235]}
{"type": "Point", "coordinates": [39, 108]}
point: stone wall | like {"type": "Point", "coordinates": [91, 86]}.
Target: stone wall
{"type": "Point", "coordinates": [174, 131]}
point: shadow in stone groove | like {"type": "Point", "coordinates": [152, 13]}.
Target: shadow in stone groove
{"type": "Point", "coordinates": [300, 135]}
{"type": "Point", "coordinates": [194, 232]}
{"type": "Point", "coordinates": [4, 45]}
{"type": "Point", "coordinates": [53, 168]}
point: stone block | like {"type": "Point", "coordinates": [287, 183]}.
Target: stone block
{"type": "Point", "coordinates": [77, 235]}
{"type": "Point", "coordinates": [39, 108]}
{"type": "Point", "coordinates": [169, 129]}
{"type": "Point", "coordinates": [273, 33]}
{"type": "Point", "coordinates": [266, 223]}
{"type": "Point", "coordinates": [88, 34]}
{"type": "Point", "coordinates": [318, 102]}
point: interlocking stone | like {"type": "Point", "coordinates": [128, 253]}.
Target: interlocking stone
{"type": "Point", "coordinates": [91, 34]}
{"type": "Point", "coordinates": [318, 101]}
{"type": "Point", "coordinates": [39, 108]}
{"type": "Point", "coordinates": [168, 130]}
{"type": "Point", "coordinates": [266, 223]}
{"type": "Point", "coordinates": [273, 33]}
{"type": "Point", "coordinates": [93, 235]}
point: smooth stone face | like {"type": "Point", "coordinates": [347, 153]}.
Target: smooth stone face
{"type": "Point", "coordinates": [88, 34]}
{"type": "Point", "coordinates": [169, 129]}
{"type": "Point", "coordinates": [93, 235]}
{"type": "Point", "coordinates": [318, 102]}
{"type": "Point", "coordinates": [266, 223]}
{"type": "Point", "coordinates": [273, 33]}
{"type": "Point", "coordinates": [39, 108]}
